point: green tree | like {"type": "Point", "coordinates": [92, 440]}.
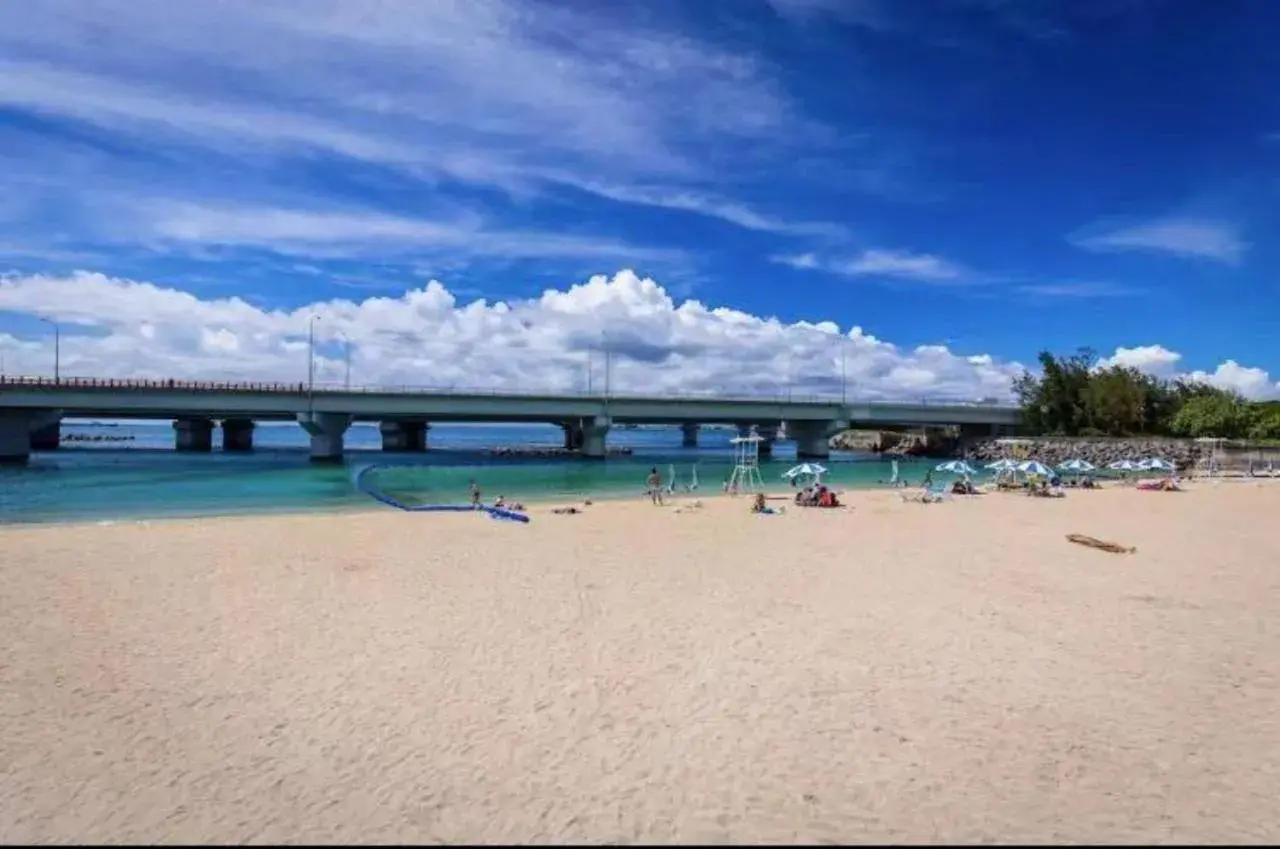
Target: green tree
{"type": "Point", "coordinates": [1218, 414]}
{"type": "Point", "coordinates": [1116, 400]}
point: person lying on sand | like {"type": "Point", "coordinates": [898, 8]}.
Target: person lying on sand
{"type": "Point", "coordinates": [963, 487]}
{"type": "Point", "coordinates": [566, 511]}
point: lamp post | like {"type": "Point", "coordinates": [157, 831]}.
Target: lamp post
{"type": "Point", "coordinates": [311, 359]}
{"type": "Point", "coordinates": [607, 363]}
{"type": "Point", "coordinates": [844, 397]}
{"type": "Point", "coordinates": [346, 360]}
{"type": "Point", "coordinates": [57, 349]}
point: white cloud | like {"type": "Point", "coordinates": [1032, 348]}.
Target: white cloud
{"type": "Point", "coordinates": [1157, 360]}
{"type": "Point", "coordinates": [426, 336]}
{"type": "Point", "coordinates": [1185, 237]}
{"type": "Point", "coordinates": [1152, 359]}
{"type": "Point", "coordinates": [925, 268]}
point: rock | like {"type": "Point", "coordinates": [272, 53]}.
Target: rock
{"type": "Point", "coordinates": [933, 442]}
{"type": "Point", "coordinates": [1184, 453]}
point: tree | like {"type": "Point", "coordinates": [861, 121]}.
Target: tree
{"type": "Point", "coordinates": [1219, 414]}
{"type": "Point", "coordinates": [1115, 401]}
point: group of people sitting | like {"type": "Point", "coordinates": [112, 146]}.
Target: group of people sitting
{"type": "Point", "coordinates": [1162, 485]}
{"type": "Point", "coordinates": [816, 495]}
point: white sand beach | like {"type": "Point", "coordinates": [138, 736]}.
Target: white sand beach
{"type": "Point", "coordinates": [888, 672]}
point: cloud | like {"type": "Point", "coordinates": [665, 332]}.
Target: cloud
{"type": "Point", "coordinates": [122, 328]}
{"type": "Point", "coordinates": [1077, 289]}
{"type": "Point", "coordinates": [490, 93]}
{"type": "Point", "coordinates": [925, 268]}
{"type": "Point", "coordinates": [1157, 360]}
{"type": "Point", "coordinates": [1184, 237]}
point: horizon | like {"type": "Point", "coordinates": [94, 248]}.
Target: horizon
{"type": "Point", "coordinates": [737, 196]}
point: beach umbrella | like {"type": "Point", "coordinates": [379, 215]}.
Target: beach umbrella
{"type": "Point", "coordinates": [1001, 466]}
{"type": "Point", "coordinates": [1124, 466]}
{"type": "Point", "coordinates": [1035, 467]}
{"type": "Point", "coordinates": [956, 467]}
{"type": "Point", "coordinates": [1154, 464]}
{"type": "Point", "coordinates": [814, 470]}
{"type": "Point", "coordinates": [1076, 465]}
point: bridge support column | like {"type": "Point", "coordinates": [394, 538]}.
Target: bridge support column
{"type": "Point", "coordinates": [327, 431]}
{"type": "Point", "coordinates": [237, 434]}
{"type": "Point", "coordinates": [689, 434]}
{"type": "Point", "coordinates": [573, 436]}
{"type": "Point", "coordinates": [813, 438]}
{"type": "Point", "coordinates": [46, 432]}
{"type": "Point", "coordinates": [402, 435]}
{"type": "Point", "coordinates": [193, 435]}
{"type": "Point", "coordinates": [594, 432]}
{"type": "Point", "coordinates": [15, 438]}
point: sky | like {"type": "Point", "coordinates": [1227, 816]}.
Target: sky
{"type": "Point", "coordinates": [894, 199]}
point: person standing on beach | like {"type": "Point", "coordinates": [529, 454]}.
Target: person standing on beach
{"type": "Point", "coordinates": [475, 495]}
{"type": "Point", "coordinates": [654, 484]}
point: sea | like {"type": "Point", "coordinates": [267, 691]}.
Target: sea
{"type": "Point", "coordinates": [137, 475]}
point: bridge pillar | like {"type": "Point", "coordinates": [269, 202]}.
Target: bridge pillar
{"type": "Point", "coordinates": [237, 434]}
{"type": "Point", "coordinates": [689, 434]}
{"type": "Point", "coordinates": [15, 438]}
{"type": "Point", "coordinates": [46, 432]}
{"type": "Point", "coordinates": [193, 435]}
{"type": "Point", "coordinates": [404, 435]}
{"type": "Point", "coordinates": [327, 432]}
{"type": "Point", "coordinates": [573, 436]}
{"type": "Point", "coordinates": [594, 432]}
{"type": "Point", "coordinates": [813, 438]}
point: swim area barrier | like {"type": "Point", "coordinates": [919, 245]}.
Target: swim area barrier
{"type": "Point", "coordinates": [378, 495]}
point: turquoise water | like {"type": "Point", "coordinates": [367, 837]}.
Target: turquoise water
{"type": "Point", "coordinates": [145, 478]}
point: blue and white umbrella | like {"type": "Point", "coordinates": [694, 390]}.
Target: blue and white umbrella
{"type": "Point", "coordinates": [956, 467]}
{"type": "Point", "coordinates": [1124, 466]}
{"type": "Point", "coordinates": [1077, 465]}
{"type": "Point", "coordinates": [813, 470]}
{"type": "Point", "coordinates": [1035, 467]}
{"type": "Point", "coordinates": [1153, 464]}
{"type": "Point", "coordinates": [1002, 466]}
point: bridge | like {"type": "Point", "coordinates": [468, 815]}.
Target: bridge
{"type": "Point", "coordinates": [32, 409]}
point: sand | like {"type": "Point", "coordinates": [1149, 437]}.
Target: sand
{"type": "Point", "coordinates": [890, 672]}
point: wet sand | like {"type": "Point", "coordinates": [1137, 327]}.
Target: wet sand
{"type": "Point", "coordinates": [887, 672]}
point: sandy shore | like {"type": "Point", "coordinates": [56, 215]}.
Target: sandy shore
{"type": "Point", "coordinates": [890, 672]}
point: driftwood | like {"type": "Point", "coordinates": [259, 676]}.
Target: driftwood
{"type": "Point", "coordinates": [1114, 548]}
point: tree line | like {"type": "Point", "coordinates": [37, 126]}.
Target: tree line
{"type": "Point", "coordinates": [1075, 396]}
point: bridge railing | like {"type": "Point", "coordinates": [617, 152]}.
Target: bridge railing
{"type": "Point", "coordinates": [302, 388]}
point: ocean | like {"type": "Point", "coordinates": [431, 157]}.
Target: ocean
{"type": "Point", "coordinates": [144, 478]}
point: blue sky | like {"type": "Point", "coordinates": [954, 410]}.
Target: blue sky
{"type": "Point", "coordinates": [988, 176]}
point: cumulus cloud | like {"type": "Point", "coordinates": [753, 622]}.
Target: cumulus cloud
{"type": "Point", "coordinates": [1157, 360]}
{"type": "Point", "coordinates": [428, 337]}
{"type": "Point", "coordinates": [1185, 237]}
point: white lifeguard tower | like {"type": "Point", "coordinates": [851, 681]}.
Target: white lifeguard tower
{"type": "Point", "coordinates": [746, 465]}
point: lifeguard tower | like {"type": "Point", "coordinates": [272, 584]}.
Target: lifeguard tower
{"type": "Point", "coordinates": [746, 465]}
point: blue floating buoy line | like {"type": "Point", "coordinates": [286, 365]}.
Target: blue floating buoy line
{"type": "Point", "coordinates": [378, 495]}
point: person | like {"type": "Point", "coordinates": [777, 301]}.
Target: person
{"type": "Point", "coordinates": [475, 494]}
{"type": "Point", "coordinates": [654, 485]}
{"type": "Point", "coordinates": [499, 502]}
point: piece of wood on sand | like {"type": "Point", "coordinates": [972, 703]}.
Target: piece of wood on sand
{"type": "Point", "coordinates": [1092, 542]}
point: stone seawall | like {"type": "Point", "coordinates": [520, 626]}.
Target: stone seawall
{"type": "Point", "coordinates": [1187, 454]}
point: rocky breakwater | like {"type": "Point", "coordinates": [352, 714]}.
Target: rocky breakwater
{"type": "Point", "coordinates": [98, 437]}
{"type": "Point", "coordinates": [547, 452]}
{"type": "Point", "coordinates": [1184, 453]}
{"type": "Point", "coordinates": [931, 443]}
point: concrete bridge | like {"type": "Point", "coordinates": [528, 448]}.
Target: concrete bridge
{"type": "Point", "coordinates": [31, 411]}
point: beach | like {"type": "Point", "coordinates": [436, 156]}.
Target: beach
{"type": "Point", "coordinates": [885, 672]}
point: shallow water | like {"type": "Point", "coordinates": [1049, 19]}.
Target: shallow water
{"type": "Point", "coordinates": [146, 478]}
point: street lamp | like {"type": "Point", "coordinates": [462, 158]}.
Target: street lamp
{"type": "Point", "coordinates": [604, 335]}
{"type": "Point", "coordinates": [844, 399]}
{"type": "Point", "coordinates": [57, 349]}
{"type": "Point", "coordinates": [346, 359]}
{"type": "Point", "coordinates": [311, 358]}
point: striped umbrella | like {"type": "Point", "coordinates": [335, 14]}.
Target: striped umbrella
{"type": "Point", "coordinates": [1035, 467]}
{"type": "Point", "coordinates": [1077, 465]}
{"type": "Point", "coordinates": [1001, 466]}
{"type": "Point", "coordinates": [956, 467]}
{"type": "Point", "coordinates": [1124, 466]}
